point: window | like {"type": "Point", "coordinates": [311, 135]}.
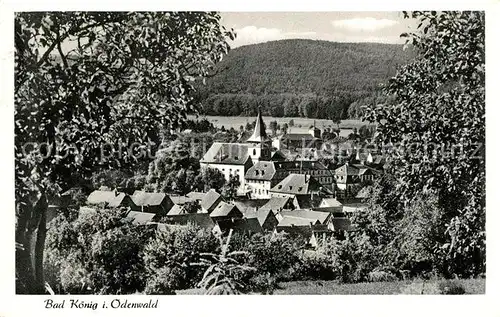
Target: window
{"type": "Point", "coordinates": [300, 188]}
{"type": "Point", "coordinates": [254, 152]}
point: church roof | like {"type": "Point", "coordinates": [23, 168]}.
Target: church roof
{"type": "Point", "coordinates": [259, 133]}
{"type": "Point", "coordinates": [226, 153]}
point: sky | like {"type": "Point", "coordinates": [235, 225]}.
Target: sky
{"type": "Point", "coordinates": [259, 27]}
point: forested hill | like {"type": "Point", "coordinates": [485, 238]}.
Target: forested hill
{"type": "Point", "coordinates": [304, 78]}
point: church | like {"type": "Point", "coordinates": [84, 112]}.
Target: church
{"type": "Point", "coordinates": [258, 165]}
{"type": "Point", "coordinates": [235, 159]}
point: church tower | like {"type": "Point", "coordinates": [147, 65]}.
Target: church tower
{"type": "Point", "coordinates": [259, 144]}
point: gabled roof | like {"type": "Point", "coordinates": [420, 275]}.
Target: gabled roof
{"type": "Point", "coordinates": [346, 170]}
{"type": "Point", "coordinates": [322, 217]}
{"type": "Point", "coordinates": [307, 202]}
{"type": "Point", "coordinates": [140, 218]}
{"type": "Point", "coordinates": [275, 204]}
{"type": "Point", "coordinates": [111, 198]}
{"type": "Point", "coordinates": [290, 221]}
{"type": "Point", "coordinates": [202, 220]}
{"type": "Point", "coordinates": [259, 132]}
{"type": "Point", "coordinates": [141, 198]}
{"type": "Point", "coordinates": [297, 184]}
{"type": "Point", "coordinates": [176, 210]}
{"type": "Point", "coordinates": [181, 200]}
{"type": "Point", "coordinates": [240, 224]}
{"type": "Point", "coordinates": [196, 195]}
{"type": "Point", "coordinates": [331, 202]}
{"type": "Point", "coordinates": [354, 207]}
{"type": "Point", "coordinates": [248, 207]}
{"type": "Point", "coordinates": [210, 198]}
{"type": "Point", "coordinates": [223, 210]}
{"type": "Point", "coordinates": [262, 215]}
{"type": "Point", "coordinates": [226, 153]}
{"type": "Point", "coordinates": [261, 170]}
{"type": "Point", "coordinates": [278, 156]}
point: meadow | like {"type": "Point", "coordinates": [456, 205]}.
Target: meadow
{"type": "Point", "coordinates": [236, 122]}
{"type": "Point", "coordinates": [409, 287]}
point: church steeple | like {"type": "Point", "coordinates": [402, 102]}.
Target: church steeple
{"type": "Point", "coordinates": [259, 133]}
{"type": "Point", "coordinates": [259, 143]}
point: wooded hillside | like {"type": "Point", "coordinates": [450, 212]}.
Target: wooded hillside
{"type": "Point", "coordinates": [304, 78]}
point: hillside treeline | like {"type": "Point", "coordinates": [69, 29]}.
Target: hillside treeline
{"type": "Point", "coordinates": [299, 78]}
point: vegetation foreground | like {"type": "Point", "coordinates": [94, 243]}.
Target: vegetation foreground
{"type": "Point", "coordinates": [471, 286]}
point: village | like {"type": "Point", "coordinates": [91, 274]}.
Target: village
{"type": "Point", "coordinates": [280, 189]}
{"type": "Point", "coordinates": [161, 153]}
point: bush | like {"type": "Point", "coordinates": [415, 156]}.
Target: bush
{"type": "Point", "coordinates": [451, 287]}
{"type": "Point", "coordinates": [162, 282]}
{"type": "Point", "coordinates": [270, 253]}
{"type": "Point", "coordinates": [381, 276]}
{"type": "Point", "coordinates": [263, 283]}
{"type": "Point", "coordinates": [314, 265]}
{"type": "Point", "coordinates": [171, 257]}
{"type": "Point", "coordinates": [95, 253]}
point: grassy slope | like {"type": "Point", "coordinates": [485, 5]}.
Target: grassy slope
{"type": "Point", "coordinates": [472, 286]}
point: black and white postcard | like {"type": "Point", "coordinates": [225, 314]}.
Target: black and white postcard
{"type": "Point", "coordinates": [163, 152]}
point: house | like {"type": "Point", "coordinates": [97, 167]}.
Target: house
{"type": "Point", "coordinates": [331, 205]}
{"type": "Point", "coordinates": [306, 202]}
{"type": "Point", "coordinates": [243, 225]}
{"type": "Point", "coordinates": [309, 167]}
{"type": "Point", "coordinates": [350, 208]}
{"type": "Point", "coordinates": [196, 195]}
{"type": "Point", "coordinates": [350, 177]}
{"type": "Point", "coordinates": [176, 210]}
{"type": "Point", "coordinates": [267, 219]}
{"type": "Point", "coordinates": [346, 176]}
{"type": "Point", "coordinates": [210, 201]}
{"type": "Point", "coordinates": [299, 138]}
{"type": "Point", "coordinates": [182, 200]}
{"type": "Point", "coordinates": [112, 199]}
{"type": "Point", "coordinates": [140, 218]}
{"type": "Point", "coordinates": [249, 207]}
{"type": "Point", "coordinates": [225, 211]}
{"type": "Point", "coordinates": [261, 177]}
{"type": "Point", "coordinates": [322, 217]}
{"type": "Point", "coordinates": [231, 159]}
{"type": "Point", "coordinates": [330, 202]}
{"type": "Point", "coordinates": [297, 185]}
{"type": "Point", "coordinates": [277, 204]}
{"type": "Point", "coordinates": [201, 220]}
{"type": "Point", "coordinates": [155, 203]}
{"type": "Point", "coordinates": [297, 226]}
{"type": "Point", "coordinates": [320, 235]}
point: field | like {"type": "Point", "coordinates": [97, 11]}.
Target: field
{"type": "Point", "coordinates": [472, 286]}
{"type": "Point", "coordinates": [236, 122]}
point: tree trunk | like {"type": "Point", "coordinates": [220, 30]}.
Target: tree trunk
{"type": "Point", "coordinates": [30, 234]}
